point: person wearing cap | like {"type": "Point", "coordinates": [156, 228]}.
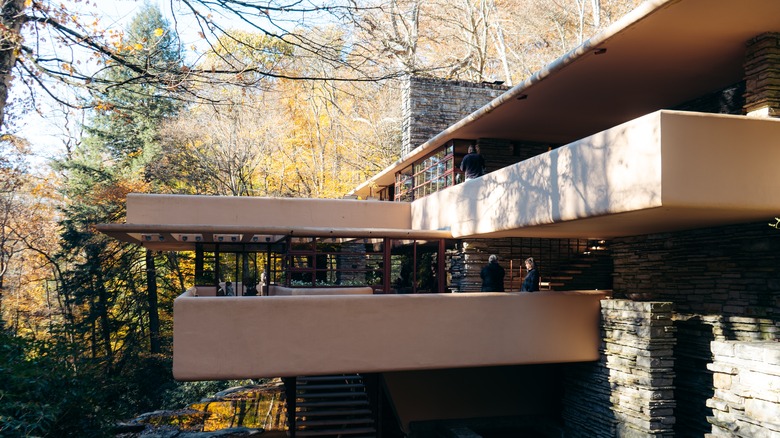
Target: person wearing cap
{"type": "Point", "coordinates": [492, 276]}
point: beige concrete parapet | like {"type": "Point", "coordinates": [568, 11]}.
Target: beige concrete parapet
{"type": "Point", "coordinates": [252, 337]}
{"type": "Point", "coordinates": [250, 212]}
{"type": "Point", "coordinates": [666, 171]}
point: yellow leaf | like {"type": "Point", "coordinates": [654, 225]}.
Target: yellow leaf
{"type": "Point", "coordinates": [138, 46]}
{"type": "Point", "coordinates": [158, 32]}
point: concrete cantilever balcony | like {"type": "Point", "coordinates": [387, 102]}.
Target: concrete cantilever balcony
{"type": "Point", "coordinates": [665, 171]}
{"type": "Point", "coordinates": [250, 337]}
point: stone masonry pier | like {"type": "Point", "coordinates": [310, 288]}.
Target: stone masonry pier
{"type": "Point", "coordinates": [629, 392]}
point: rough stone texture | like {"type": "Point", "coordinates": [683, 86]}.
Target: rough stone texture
{"type": "Point", "coordinates": [746, 382]}
{"type": "Point", "coordinates": [236, 412]}
{"type": "Point", "coordinates": [762, 75]}
{"type": "Point", "coordinates": [725, 284]}
{"type": "Point", "coordinates": [353, 257]}
{"type": "Point", "coordinates": [730, 272]}
{"type": "Point", "coordinates": [431, 105]}
{"type": "Point", "coordinates": [629, 391]}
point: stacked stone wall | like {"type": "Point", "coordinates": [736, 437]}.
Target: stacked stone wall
{"type": "Point", "coordinates": [431, 105]}
{"type": "Point", "coordinates": [762, 75]}
{"type": "Point", "coordinates": [746, 399]}
{"type": "Point", "coordinates": [562, 262]}
{"type": "Point", "coordinates": [352, 263]}
{"type": "Point", "coordinates": [628, 392]}
{"type": "Point", "coordinates": [730, 271]}
{"type": "Point", "coordinates": [725, 285]}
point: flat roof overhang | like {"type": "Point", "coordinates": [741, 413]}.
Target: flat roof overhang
{"type": "Point", "coordinates": [178, 222]}
{"type": "Point", "coordinates": [662, 54]}
{"type": "Point", "coordinates": [169, 237]}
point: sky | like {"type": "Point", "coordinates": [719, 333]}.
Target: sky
{"type": "Point", "coordinates": [46, 133]}
{"type": "Point", "coordinates": [119, 13]}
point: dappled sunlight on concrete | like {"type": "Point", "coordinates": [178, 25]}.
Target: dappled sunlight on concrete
{"type": "Point", "coordinates": [611, 172]}
{"type": "Point", "coordinates": [642, 176]}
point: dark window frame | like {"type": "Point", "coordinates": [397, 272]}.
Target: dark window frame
{"type": "Point", "coordinates": [434, 172]}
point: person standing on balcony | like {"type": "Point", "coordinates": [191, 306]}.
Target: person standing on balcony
{"type": "Point", "coordinates": [473, 165]}
{"type": "Point", "coordinates": [531, 282]}
{"type": "Point", "coordinates": [492, 276]}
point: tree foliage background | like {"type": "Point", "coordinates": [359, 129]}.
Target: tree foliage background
{"type": "Point", "coordinates": [298, 99]}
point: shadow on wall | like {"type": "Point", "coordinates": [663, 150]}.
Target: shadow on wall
{"type": "Point", "coordinates": [603, 173]}
{"type": "Point", "coordinates": [693, 381]}
{"type": "Point", "coordinates": [586, 401]}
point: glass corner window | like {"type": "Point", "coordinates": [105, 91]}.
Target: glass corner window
{"type": "Point", "coordinates": [428, 175]}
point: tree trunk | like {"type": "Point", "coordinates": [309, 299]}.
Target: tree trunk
{"type": "Point", "coordinates": [105, 322]}
{"type": "Point", "coordinates": [154, 317]}
{"type": "Point", "coordinates": [595, 6]}
{"type": "Point", "coordinates": [500, 44]}
{"type": "Point", "coordinates": [11, 20]}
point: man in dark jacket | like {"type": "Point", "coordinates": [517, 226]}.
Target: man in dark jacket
{"type": "Point", "coordinates": [473, 165]}
{"type": "Point", "coordinates": [492, 276]}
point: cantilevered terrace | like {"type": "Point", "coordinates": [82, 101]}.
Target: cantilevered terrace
{"type": "Point", "coordinates": [662, 172]}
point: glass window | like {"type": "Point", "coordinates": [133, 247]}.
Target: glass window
{"type": "Point", "coordinates": [404, 183]}
{"type": "Point", "coordinates": [338, 262]}
{"type": "Point", "coordinates": [431, 174]}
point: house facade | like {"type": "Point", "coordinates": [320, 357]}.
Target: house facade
{"type": "Point", "coordinates": [640, 169]}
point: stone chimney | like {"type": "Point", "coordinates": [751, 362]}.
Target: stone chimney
{"type": "Point", "coordinates": [432, 105]}
{"type": "Point", "coordinates": [762, 76]}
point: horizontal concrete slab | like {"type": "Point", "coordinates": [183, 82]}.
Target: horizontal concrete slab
{"type": "Point", "coordinates": [251, 337]}
{"type": "Point", "coordinates": [247, 211]}
{"type": "Point", "coordinates": [666, 171]}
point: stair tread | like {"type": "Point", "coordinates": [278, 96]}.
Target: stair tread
{"type": "Point", "coordinates": [334, 403]}
{"type": "Point", "coordinates": [345, 431]}
{"type": "Point", "coordinates": [333, 412]}
{"type": "Point", "coordinates": [351, 394]}
{"type": "Point", "coordinates": [332, 406]}
{"type": "Point", "coordinates": [333, 422]}
{"type": "Point", "coordinates": [333, 386]}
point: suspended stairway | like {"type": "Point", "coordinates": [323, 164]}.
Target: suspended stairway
{"type": "Point", "coordinates": [329, 406]}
